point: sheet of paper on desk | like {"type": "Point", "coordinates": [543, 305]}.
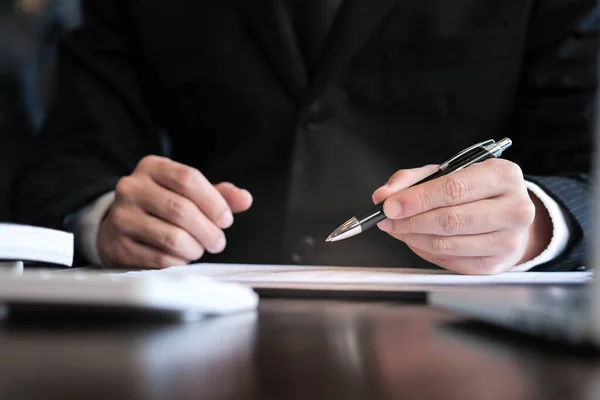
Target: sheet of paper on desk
{"type": "Point", "coordinates": [354, 278]}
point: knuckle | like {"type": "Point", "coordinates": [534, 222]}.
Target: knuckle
{"type": "Point", "coordinates": [455, 190]}
{"type": "Point", "coordinates": [187, 177]}
{"type": "Point", "coordinates": [172, 240]}
{"type": "Point", "coordinates": [524, 214]}
{"type": "Point", "coordinates": [160, 260]}
{"type": "Point", "coordinates": [398, 176]}
{"type": "Point", "coordinates": [422, 199]}
{"type": "Point", "coordinates": [495, 163]}
{"type": "Point", "coordinates": [441, 244]}
{"type": "Point", "coordinates": [411, 224]}
{"type": "Point", "coordinates": [511, 172]}
{"type": "Point", "coordinates": [452, 221]}
{"type": "Point", "coordinates": [148, 162]}
{"type": "Point", "coordinates": [125, 188]}
{"type": "Point", "coordinates": [177, 210]}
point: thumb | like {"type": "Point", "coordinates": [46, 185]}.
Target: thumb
{"type": "Point", "coordinates": [401, 180]}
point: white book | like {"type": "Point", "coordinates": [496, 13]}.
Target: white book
{"type": "Point", "coordinates": [20, 243]}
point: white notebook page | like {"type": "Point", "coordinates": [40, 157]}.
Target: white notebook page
{"type": "Point", "coordinates": [285, 276]}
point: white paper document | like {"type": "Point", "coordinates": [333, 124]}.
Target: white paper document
{"type": "Point", "coordinates": [355, 278]}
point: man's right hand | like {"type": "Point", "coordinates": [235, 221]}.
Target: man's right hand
{"type": "Point", "coordinates": [166, 213]}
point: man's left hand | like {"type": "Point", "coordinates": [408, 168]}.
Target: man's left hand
{"type": "Point", "coordinates": [480, 220]}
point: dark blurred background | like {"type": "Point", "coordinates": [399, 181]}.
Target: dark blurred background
{"type": "Point", "coordinates": [28, 33]}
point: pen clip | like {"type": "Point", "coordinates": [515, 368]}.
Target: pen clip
{"type": "Point", "coordinates": [465, 151]}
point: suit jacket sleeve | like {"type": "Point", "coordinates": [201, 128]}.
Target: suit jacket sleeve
{"type": "Point", "coordinates": [98, 126]}
{"type": "Point", "coordinates": [556, 113]}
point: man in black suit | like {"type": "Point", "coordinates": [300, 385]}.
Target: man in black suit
{"type": "Point", "coordinates": [310, 106]}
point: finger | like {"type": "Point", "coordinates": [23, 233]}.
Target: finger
{"type": "Point", "coordinates": [489, 215]}
{"type": "Point", "coordinates": [192, 184]}
{"type": "Point", "coordinates": [145, 228]}
{"type": "Point", "coordinates": [401, 180]}
{"type": "Point", "coordinates": [239, 200]}
{"type": "Point", "coordinates": [490, 265]}
{"type": "Point", "coordinates": [477, 182]}
{"type": "Point", "coordinates": [136, 255]}
{"type": "Point", "coordinates": [181, 212]}
{"type": "Point", "coordinates": [483, 245]}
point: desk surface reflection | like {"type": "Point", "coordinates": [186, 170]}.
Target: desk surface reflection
{"type": "Point", "coordinates": [292, 349]}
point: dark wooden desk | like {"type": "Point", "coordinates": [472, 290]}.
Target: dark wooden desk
{"type": "Point", "coordinates": [292, 349]}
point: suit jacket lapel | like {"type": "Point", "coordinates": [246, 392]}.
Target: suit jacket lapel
{"type": "Point", "coordinates": [266, 21]}
{"type": "Point", "coordinates": [355, 21]}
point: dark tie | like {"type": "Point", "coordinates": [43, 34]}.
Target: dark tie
{"type": "Point", "coordinates": [311, 21]}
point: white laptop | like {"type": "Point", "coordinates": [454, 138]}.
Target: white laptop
{"type": "Point", "coordinates": [569, 313]}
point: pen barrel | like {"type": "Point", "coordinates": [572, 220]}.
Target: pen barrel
{"type": "Point", "coordinates": [370, 218]}
{"type": "Point", "coordinates": [473, 159]}
{"type": "Point", "coordinates": [436, 174]}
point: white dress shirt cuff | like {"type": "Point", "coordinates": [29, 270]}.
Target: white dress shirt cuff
{"type": "Point", "coordinates": [560, 231]}
{"type": "Point", "coordinates": [87, 225]}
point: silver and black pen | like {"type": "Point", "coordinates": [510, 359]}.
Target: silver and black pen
{"type": "Point", "coordinates": [471, 155]}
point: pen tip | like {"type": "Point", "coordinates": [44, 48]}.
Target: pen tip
{"type": "Point", "coordinates": [346, 230]}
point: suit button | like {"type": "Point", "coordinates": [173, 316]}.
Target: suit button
{"type": "Point", "coordinates": [315, 110]}
{"type": "Point", "coordinates": [309, 241]}
{"type": "Point", "coordinates": [313, 117]}
{"type": "Point", "coordinates": [296, 257]}
{"type": "Point", "coordinates": [310, 126]}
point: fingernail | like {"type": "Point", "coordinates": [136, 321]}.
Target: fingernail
{"type": "Point", "coordinates": [385, 225]}
{"type": "Point", "coordinates": [226, 220]}
{"type": "Point", "coordinates": [384, 187]}
{"type": "Point", "coordinates": [220, 246]}
{"type": "Point", "coordinates": [392, 209]}
{"type": "Point", "coordinates": [248, 194]}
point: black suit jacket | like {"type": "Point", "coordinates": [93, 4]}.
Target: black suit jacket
{"type": "Point", "coordinates": [401, 83]}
